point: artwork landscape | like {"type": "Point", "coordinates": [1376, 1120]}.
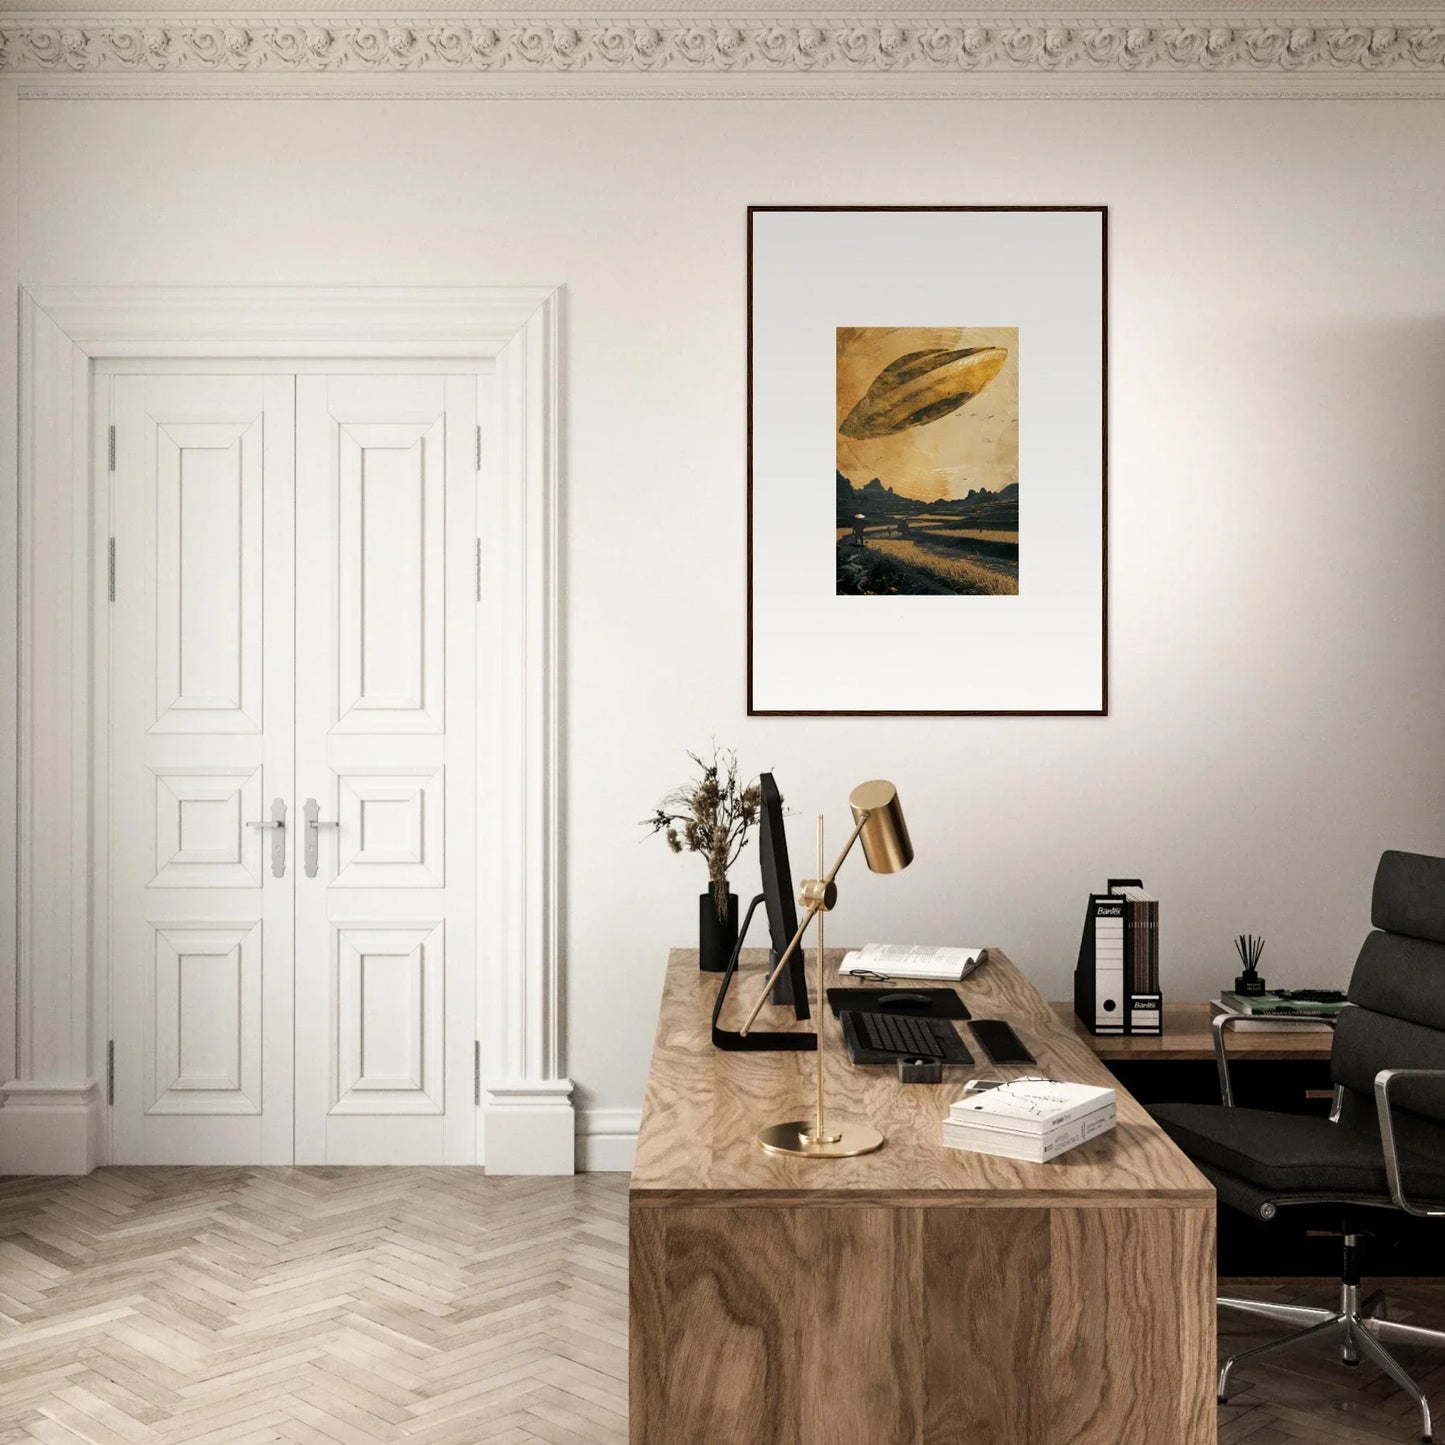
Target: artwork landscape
{"type": "Point", "coordinates": [927, 461]}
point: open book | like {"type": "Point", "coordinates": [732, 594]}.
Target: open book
{"type": "Point", "coordinates": [905, 960]}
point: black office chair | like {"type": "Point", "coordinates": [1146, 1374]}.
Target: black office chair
{"type": "Point", "coordinates": [1382, 1150]}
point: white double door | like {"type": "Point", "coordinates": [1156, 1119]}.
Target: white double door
{"type": "Point", "coordinates": [292, 768]}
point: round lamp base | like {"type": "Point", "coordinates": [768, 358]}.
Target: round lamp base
{"type": "Point", "coordinates": [795, 1137]}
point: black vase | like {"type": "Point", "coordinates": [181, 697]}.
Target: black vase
{"type": "Point", "coordinates": [716, 938]}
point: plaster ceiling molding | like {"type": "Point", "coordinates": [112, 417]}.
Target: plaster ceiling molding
{"type": "Point", "coordinates": [985, 51]}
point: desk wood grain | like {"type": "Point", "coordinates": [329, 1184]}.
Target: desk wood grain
{"type": "Point", "coordinates": [920, 1295]}
{"type": "Point", "coordinates": [703, 1108]}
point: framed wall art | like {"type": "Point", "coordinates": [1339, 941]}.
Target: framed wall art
{"type": "Point", "coordinates": [948, 366]}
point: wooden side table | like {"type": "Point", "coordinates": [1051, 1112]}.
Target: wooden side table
{"type": "Point", "coordinates": [1187, 1038]}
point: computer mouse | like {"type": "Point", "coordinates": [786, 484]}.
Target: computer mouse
{"type": "Point", "coordinates": [904, 999]}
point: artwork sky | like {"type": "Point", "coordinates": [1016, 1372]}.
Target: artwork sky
{"type": "Point", "coordinates": [971, 443]}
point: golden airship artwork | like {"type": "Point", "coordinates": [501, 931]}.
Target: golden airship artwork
{"type": "Point", "coordinates": [927, 460]}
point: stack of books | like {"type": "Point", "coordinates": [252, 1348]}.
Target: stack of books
{"type": "Point", "coordinates": [1259, 1011]}
{"type": "Point", "coordinates": [1032, 1119]}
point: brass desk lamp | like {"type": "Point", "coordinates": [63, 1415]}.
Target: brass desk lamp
{"type": "Point", "coordinates": [878, 823]}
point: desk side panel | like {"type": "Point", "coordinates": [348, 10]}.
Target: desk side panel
{"type": "Point", "coordinates": [647, 1318]}
{"type": "Point", "coordinates": [1132, 1322]}
{"type": "Point", "coordinates": [768, 1325]}
{"type": "Point", "coordinates": [860, 1326]}
{"type": "Point", "coordinates": [985, 1299]}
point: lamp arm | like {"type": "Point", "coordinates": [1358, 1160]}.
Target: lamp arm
{"type": "Point", "coordinates": [848, 847]}
{"type": "Point", "coordinates": [814, 909]}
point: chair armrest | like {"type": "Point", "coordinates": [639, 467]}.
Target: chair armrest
{"type": "Point", "coordinates": [1222, 1023]}
{"type": "Point", "coordinates": [1383, 1080]}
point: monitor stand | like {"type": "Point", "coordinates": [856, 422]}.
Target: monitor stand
{"type": "Point", "coordinates": [755, 1040]}
{"type": "Point", "coordinates": [784, 989]}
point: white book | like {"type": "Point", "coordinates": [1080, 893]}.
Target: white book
{"type": "Point", "coordinates": [1033, 1106]}
{"type": "Point", "coordinates": [1034, 1148]}
{"type": "Point", "coordinates": [1051, 1141]}
{"type": "Point", "coordinates": [1264, 1024]}
{"type": "Point", "coordinates": [906, 960]}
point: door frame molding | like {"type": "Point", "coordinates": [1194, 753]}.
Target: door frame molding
{"type": "Point", "coordinates": [52, 1115]}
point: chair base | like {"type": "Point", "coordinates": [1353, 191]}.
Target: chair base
{"type": "Point", "coordinates": [1361, 1327]}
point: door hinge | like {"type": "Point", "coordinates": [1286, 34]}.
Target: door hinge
{"type": "Point", "coordinates": [479, 449]}
{"type": "Point", "coordinates": [479, 569]}
{"type": "Point", "coordinates": [110, 1072]}
{"type": "Point", "coordinates": [110, 569]}
{"type": "Point", "coordinates": [112, 448]}
{"type": "Point", "coordinates": [477, 1072]}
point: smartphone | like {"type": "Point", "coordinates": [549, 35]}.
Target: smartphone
{"type": "Point", "coordinates": [1000, 1042]}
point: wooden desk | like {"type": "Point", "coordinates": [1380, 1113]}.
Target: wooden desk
{"type": "Point", "coordinates": [919, 1295]}
{"type": "Point", "coordinates": [1187, 1038]}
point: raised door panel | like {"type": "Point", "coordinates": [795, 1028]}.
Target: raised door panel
{"type": "Point", "coordinates": [390, 994]}
{"type": "Point", "coordinates": [390, 660]}
{"type": "Point", "coordinates": [201, 828]}
{"type": "Point", "coordinates": [209, 592]}
{"type": "Point", "coordinates": [206, 1015]}
{"type": "Point", "coordinates": [392, 828]}
{"type": "Point", "coordinates": [202, 729]}
{"type": "Point", "coordinates": [385, 914]}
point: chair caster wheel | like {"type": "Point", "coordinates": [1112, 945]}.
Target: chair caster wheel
{"type": "Point", "coordinates": [1221, 1399]}
{"type": "Point", "coordinates": [1353, 1364]}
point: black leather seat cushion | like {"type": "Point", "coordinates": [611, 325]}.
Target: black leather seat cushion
{"type": "Point", "coordinates": [1293, 1153]}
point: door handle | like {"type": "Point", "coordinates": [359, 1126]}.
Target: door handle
{"type": "Point", "coordinates": [277, 822]}
{"type": "Point", "coordinates": [314, 825]}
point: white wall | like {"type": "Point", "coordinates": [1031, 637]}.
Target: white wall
{"type": "Point", "coordinates": [1277, 599]}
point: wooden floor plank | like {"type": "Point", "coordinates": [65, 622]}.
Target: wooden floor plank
{"type": "Point", "coordinates": [318, 1306]}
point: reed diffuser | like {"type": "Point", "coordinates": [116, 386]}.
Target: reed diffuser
{"type": "Point", "coordinates": [1249, 948]}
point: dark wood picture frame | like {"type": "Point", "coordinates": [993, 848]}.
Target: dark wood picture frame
{"type": "Point", "coordinates": [1103, 709]}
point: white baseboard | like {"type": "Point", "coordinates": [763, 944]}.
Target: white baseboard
{"type": "Point", "coordinates": [56, 1129]}
{"type": "Point", "coordinates": [530, 1128]}
{"type": "Point", "coordinates": [49, 1128]}
{"type": "Point", "coordinates": [607, 1140]}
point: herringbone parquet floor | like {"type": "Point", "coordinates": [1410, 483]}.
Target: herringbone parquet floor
{"type": "Point", "coordinates": [236, 1306]}
{"type": "Point", "coordinates": [1305, 1394]}
{"type": "Point", "coordinates": [347, 1306]}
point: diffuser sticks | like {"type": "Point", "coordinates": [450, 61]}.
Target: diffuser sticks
{"type": "Point", "coordinates": [1249, 947]}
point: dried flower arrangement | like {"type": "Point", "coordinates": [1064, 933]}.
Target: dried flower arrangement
{"type": "Point", "coordinates": [712, 815]}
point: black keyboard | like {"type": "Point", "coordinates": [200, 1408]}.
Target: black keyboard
{"type": "Point", "coordinates": [897, 1036]}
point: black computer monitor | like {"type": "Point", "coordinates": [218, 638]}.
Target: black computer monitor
{"type": "Point", "coordinates": [791, 987]}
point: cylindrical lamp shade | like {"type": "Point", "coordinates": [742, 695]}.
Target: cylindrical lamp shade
{"type": "Point", "coordinates": [886, 844]}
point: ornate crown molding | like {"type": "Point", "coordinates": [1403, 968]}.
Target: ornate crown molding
{"type": "Point", "coordinates": [1405, 56]}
